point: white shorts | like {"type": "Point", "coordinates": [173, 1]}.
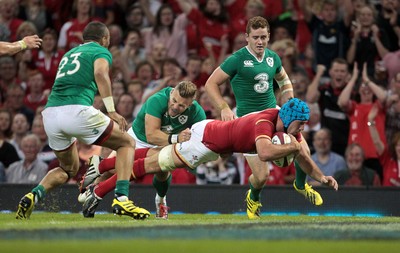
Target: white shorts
{"type": "Point", "coordinates": [139, 143]}
{"type": "Point", "coordinates": [65, 124]}
{"type": "Point", "coordinates": [193, 152]}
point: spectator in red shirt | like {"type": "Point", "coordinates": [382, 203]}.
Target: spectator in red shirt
{"type": "Point", "coordinates": [60, 11]}
{"type": "Point", "coordinates": [389, 155]}
{"type": "Point", "coordinates": [239, 15]}
{"type": "Point", "coordinates": [194, 72]}
{"type": "Point", "coordinates": [357, 112]}
{"type": "Point", "coordinates": [211, 21]}
{"type": "Point", "coordinates": [71, 31]}
{"type": "Point", "coordinates": [36, 96]}
{"type": "Point", "coordinates": [46, 59]}
{"type": "Point", "coordinates": [8, 11]}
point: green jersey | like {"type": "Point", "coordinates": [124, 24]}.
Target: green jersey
{"type": "Point", "coordinates": [157, 106]}
{"type": "Point", "coordinates": [252, 80]}
{"type": "Point", "coordinates": [75, 83]}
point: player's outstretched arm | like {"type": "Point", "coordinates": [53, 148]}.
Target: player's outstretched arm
{"type": "Point", "coordinates": [311, 168]}
{"type": "Point", "coordinates": [28, 42]}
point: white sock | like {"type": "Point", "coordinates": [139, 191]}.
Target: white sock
{"type": "Point", "coordinates": [122, 198]}
{"type": "Point", "coordinates": [161, 200]}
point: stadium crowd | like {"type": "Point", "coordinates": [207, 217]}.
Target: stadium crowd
{"type": "Point", "coordinates": [342, 58]}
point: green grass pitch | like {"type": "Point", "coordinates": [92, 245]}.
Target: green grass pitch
{"type": "Point", "coordinates": [55, 232]}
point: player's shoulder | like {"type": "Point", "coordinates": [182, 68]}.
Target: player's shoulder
{"type": "Point", "coordinates": [162, 95]}
{"type": "Point", "coordinates": [196, 106]}
{"type": "Point", "coordinates": [270, 113]}
{"type": "Point", "coordinates": [270, 53]}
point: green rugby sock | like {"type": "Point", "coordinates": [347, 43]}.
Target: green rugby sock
{"type": "Point", "coordinates": [122, 188]}
{"type": "Point", "coordinates": [162, 186]}
{"type": "Point", "coordinates": [300, 177]}
{"type": "Point", "coordinates": [39, 192]}
{"type": "Point", "coordinates": [254, 193]}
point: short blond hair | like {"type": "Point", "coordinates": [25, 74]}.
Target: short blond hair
{"type": "Point", "coordinates": [186, 89]}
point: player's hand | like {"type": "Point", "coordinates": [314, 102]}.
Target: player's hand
{"type": "Point", "coordinates": [32, 41]}
{"type": "Point", "coordinates": [119, 119]}
{"type": "Point", "coordinates": [184, 135]}
{"type": "Point", "coordinates": [294, 141]}
{"type": "Point", "coordinates": [330, 181]}
{"type": "Point", "coordinates": [227, 114]}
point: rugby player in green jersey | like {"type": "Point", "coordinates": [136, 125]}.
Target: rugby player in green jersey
{"type": "Point", "coordinates": [251, 71]}
{"type": "Point", "coordinates": [70, 116]}
{"type": "Point", "coordinates": [165, 118]}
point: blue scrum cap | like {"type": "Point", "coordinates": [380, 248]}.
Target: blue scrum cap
{"type": "Point", "coordinates": [294, 109]}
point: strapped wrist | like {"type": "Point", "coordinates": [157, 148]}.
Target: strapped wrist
{"type": "Point", "coordinates": [173, 138]}
{"type": "Point", "coordinates": [22, 44]}
{"type": "Point", "coordinates": [109, 104]}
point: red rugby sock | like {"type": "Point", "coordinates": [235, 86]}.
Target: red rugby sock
{"type": "Point", "coordinates": [138, 168]}
{"type": "Point", "coordinates": [107, 164]}
{"type": "Point", "coordinates": [141, 153]}
{"type": "Point", "coordinates": [106, 186]}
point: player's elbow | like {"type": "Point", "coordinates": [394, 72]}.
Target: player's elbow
{"type": "Point", "coordinates": [264, 156]}
{"type": "Point", "coordinates": [152, 138]}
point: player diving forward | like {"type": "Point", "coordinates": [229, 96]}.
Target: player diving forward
{"type": "Point", "coordinates": [211, 138]}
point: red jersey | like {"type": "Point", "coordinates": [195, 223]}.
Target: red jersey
{"type": "Point", "coordinates": [359, 131]}
{"type": "Point", "coordinates": [240, 135]}
{"type": "Point", "coordinates": [209, 31]}
{"type": "Point", "coordinates": [391, 171]}
{"type": "Point", "coordinates": [74, 33]}
{"type": "Point", "coordinates": [13, 27]}
{"type": "Point", "coordinates": [33, 105]}
{"type": "Point", "coordinates": [48, 67]}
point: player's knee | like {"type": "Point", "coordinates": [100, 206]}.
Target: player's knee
{"type": "Point", "coordinates": [128, 141]}
{"type": "Point", "coordinates": [262, 176]}
{"type": "Point", "coordinates": [165, 159]}
{"type": "Point", "coordinates": [70, 170]}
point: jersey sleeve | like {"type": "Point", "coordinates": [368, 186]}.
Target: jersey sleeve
{"type": "Point", "coordinates": [157, 108]}
{"type": "Point", "coordinates": [104, 54]}
{"type": "Point", "coordinates": [230, 64]}
{"type": "Point", "coordinates": [264, 129]}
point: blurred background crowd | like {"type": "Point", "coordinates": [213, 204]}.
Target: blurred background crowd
{"type": "Point", "coordinates": [341, 56]}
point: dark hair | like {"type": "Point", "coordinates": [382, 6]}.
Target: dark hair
{"type": "Point", "coordinates": [132, 30]}
{"type": "Point", "coordinates": [157, 24]}
{"type": "Point", "coordinates": [7, 132]}
{"type": "Point", "coordinates": [221, 18]}
{"type": "Point", "coordinates": [169, 60]}
{"type": "Point", "coordinates": [94, 31]}
{"type": "Point", "coordinates": [144, 63]}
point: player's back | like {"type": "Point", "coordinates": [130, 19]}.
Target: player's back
{"type": "Point", "coordinates": [75, 81]}
{"type": "Point", "coordinates": [240, 135]}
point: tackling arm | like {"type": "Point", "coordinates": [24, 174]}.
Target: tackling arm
{"type": "Point", "coordinates": [154, 135]}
